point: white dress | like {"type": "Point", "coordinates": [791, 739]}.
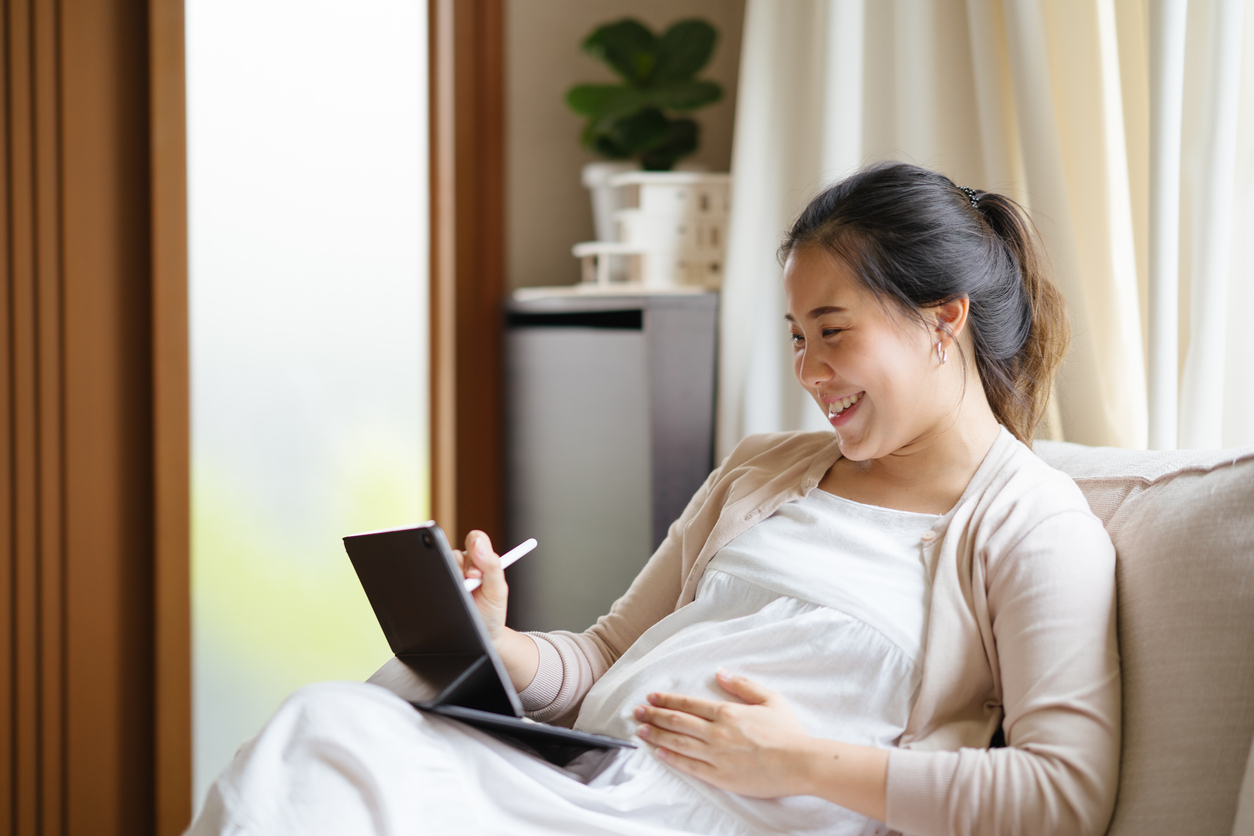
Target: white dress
{"type": "Point", "coordinates": [824, 602]}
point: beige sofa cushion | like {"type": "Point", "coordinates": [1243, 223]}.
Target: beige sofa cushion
{"type": "Point", "coordinates": [1183, 528]}
{"type": "Point", "coordinates": [1244, 825]}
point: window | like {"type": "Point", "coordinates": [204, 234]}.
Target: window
{"type": "Point", "coordinates": [307, 155]}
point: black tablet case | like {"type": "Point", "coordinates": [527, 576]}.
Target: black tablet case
{"type": "Point", "coordinates": [445, 662]}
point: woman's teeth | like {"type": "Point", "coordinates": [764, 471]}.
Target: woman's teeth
{"type": "Point", "coordinates": [837, 407]}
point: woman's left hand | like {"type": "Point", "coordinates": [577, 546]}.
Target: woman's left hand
{"type": "Point", "coordinates": [756, 749]}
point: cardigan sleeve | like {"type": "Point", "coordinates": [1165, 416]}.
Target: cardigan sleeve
{"type": "Point", "coordinates": [1052, 605]}
{"type": "Point", "coordinates": [581, 658]}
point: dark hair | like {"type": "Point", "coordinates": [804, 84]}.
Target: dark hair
{"type": "Point", "coordinates": [916, 239]}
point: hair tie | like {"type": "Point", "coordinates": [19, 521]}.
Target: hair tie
{"type": "Point", "coordinates": [971, 195]}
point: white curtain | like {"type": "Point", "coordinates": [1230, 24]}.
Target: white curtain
{"type": "Point", "coordinates": [1048, 101]}
{"type": "Point", "coordinates": [1217, 226]}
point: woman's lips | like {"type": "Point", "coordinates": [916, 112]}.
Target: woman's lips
{"type": "Point", "coordinates": [839, 412]}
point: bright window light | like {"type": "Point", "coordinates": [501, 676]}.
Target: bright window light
{"type": "Point", "coordinates": [307, 150]}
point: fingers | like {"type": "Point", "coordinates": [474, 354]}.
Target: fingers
{"type": "Point", "coordinates": [485, 563]}
{"type": "Point", "coordinates": [479, 552]}
{"type": "Point", "coordinates": [672, 731]}
{"type": "Point", "coordinates": [678, 724]}
{"type": "Point", "coordinates": [468, 569]}
{"type": "Point", "coordinates": [746, 689]}
{"type": "Point", "coordinates": [666, 741]}
{"type": "Point", "coordinates": [705, 709]}
{"type": "Point", "coordinates": [675, 721]}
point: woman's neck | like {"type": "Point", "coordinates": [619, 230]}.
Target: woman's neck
{"type": "Point", "coordinates": [929, 474]}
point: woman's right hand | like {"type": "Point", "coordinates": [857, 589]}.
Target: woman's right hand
{"type": "Point", "coordinates": [517, 651]}
{"type": "Point", "coordinates": [478, 560]}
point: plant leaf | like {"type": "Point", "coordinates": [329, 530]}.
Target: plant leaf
{"type": "Point", "coordinates": [686, 95]}
{"type": "Point", "coordinates": [684, 49]}
{"type": "Point", "coordinates": [590, 99]}
{"type": "Point", "coordinates": [628, 46]}
{"type": "Point", "coordinates": [605, 101]}
{"type": "Point", "coordinates": [679, 140]}
{"type": "Point", "coordinates": [588, 136]}
{"type": "Point", "coordinates": [638, 132]}
{"type": "Point", "coordinates": [593, 136]}
{"type": "Point", "coordinates": [606, 147]}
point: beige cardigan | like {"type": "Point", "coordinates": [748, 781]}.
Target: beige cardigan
{"type": "Point", "coordinates": [1021, 625]}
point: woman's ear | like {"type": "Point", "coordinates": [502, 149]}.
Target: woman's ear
{"type": "Point", "coordinates": [951, 318]}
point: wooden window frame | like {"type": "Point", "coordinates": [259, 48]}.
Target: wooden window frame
{"type": "Point", "coordinates": [467, 123]}
{"type": "Point", "coordinates": [171, 416]}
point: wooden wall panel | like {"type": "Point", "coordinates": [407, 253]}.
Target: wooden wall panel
{"type": "Point", "coordinates": [51, 570]}
{"type": "Point", "coordinates": [34, 792]}
{"type": "Point", "coordinates": [467, 264]}
{"type": "Point", "coordinates": [171, 419]}
{"type": "Point", "coordinates": [108, 383]}
{"type": "Point", "coordinates": [8, 463]}
{"type": "Point", "coordinates": [94, 651]}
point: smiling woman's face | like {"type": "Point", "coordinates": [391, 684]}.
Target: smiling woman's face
{"type": "Point", "coordinates": [871, 368]}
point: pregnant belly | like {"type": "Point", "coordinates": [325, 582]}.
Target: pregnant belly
{"type": "Point", "coordinates": [843, 679]}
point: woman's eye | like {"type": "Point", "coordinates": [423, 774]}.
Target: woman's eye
{"type": "Point", "coordinates": [797, 339]}
{"type": "Point", "coordinates": [827, 332]}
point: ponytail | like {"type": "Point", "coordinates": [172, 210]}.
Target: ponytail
{"type": "Point", "coordinates": [1018, 387]}
{"type": "Point", "coordinates": [915, 238]}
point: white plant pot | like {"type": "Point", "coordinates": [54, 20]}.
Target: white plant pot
{"type": "Point", "coordinates": [606, 199]}
{"type": "Point", "coordinates": [673, 235]}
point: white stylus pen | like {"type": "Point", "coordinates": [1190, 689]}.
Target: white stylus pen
{"type": "Point", "coordinates": [507, 559]}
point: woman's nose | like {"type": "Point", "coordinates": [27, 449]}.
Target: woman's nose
{"type": "Point", "coordinates": [813, 370]}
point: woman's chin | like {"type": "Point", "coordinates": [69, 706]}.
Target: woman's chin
{"type": "Point", "coordinates": [852, 447]}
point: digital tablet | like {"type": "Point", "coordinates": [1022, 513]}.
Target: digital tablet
{"type": "Point", "coordinates": [444, 661]}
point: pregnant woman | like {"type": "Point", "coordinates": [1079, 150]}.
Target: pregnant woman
{"type": "Point", "coordinates": [906, 624]}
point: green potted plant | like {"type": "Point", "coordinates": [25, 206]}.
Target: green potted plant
{"type": "Point", "coordinates": [638, 119]}
{"type": "Point", "coordinates": [642, 122]}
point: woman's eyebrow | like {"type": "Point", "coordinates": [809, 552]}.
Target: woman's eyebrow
{"type": "Point", "coordinates": [817, 312]}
